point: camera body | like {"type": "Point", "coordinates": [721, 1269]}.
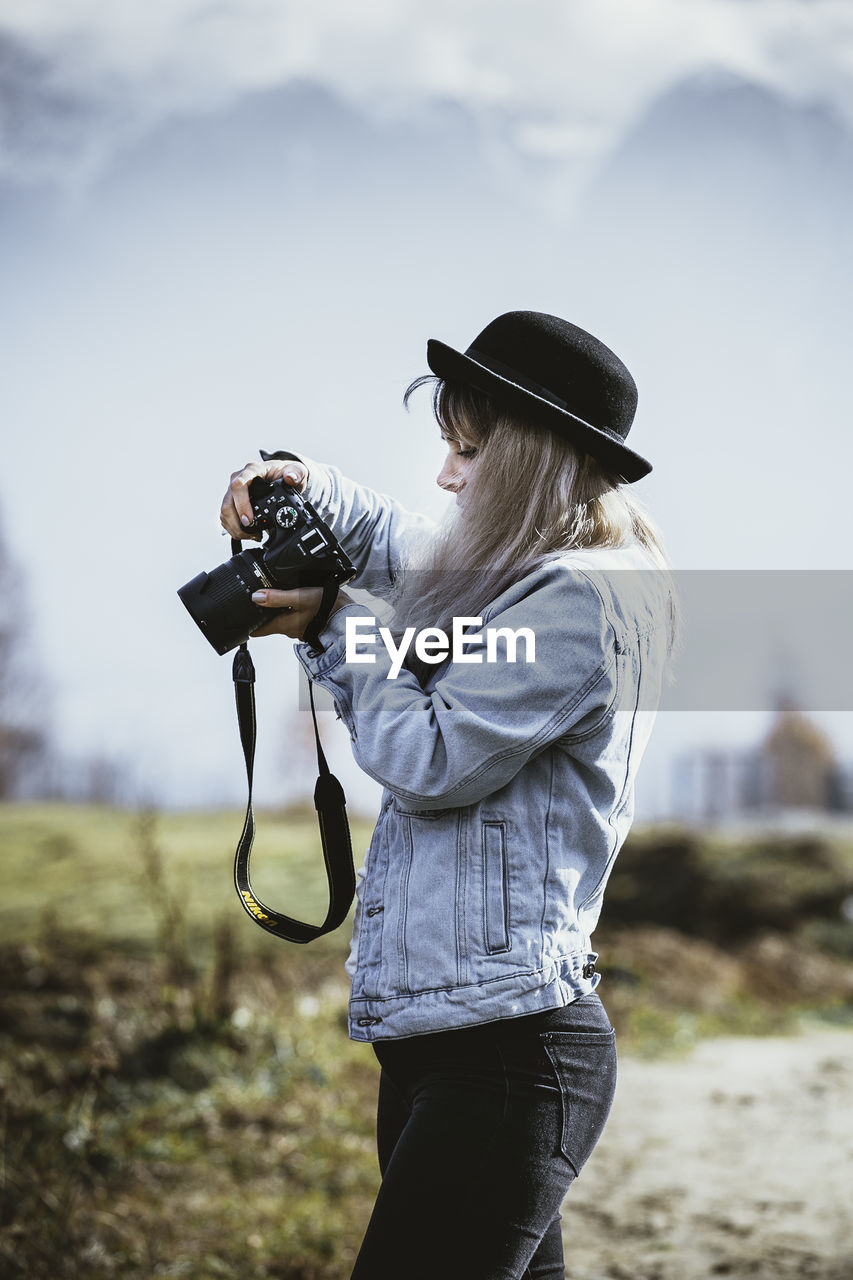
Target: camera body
{"type": "Point", "coordinates": [300, 551]}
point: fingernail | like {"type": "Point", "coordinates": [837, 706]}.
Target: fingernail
{"type": "Point", "coordinates": [245, 521]}
{"type": "Point", "coordinates": [292, 475]}
{"type": "Point", "coordinates": [259, 596]}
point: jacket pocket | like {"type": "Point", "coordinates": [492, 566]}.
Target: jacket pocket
{"type": "Point", "coordinates": [495, 895]}
{"type": "Point", "coordinates": [427, 869]}
{"type": "Point", "coordinates": [427, 815]}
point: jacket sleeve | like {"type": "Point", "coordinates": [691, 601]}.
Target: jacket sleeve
{"type": "Point", "coordinates": [377, 533]}
{"type": "Point", "coordinates": [467, 734]}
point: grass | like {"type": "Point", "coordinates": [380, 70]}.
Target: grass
{"type": "Point", "coordinates": [151, 1130]}
{"type": "Point", "coordinates": [178, 1096]}
{"type": "Point", "coordinates": [88, 866]}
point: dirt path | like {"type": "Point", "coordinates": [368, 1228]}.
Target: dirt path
{"type": "Point", "coordinates": [736, 1161]}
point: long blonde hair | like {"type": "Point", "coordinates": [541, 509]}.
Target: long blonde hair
{"type": "Point", "coordinates": [530, 496]}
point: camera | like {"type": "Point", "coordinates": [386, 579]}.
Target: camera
{"type": "Point", "coordinates": [300, 551]}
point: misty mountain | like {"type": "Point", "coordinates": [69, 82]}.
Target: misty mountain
{"type": "Point", "coordinates": [46, 127]}
{"type": "Point", "coordinates": [728, 183]}
{"type": "Point", "coordinates": [287, 170]}
{"type": "Point", "coordinates": [266, 274]}
{"type": "Point", "coordinates": [721, 227]}
{"type": "Point", "coordinates": [299, 143]}
{"type": "Point", "coordinates": [40, 125]}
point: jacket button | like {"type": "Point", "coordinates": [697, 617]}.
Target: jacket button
{"type": "Point", "coordinates": [367, 1022]}
{"type": "Point", "coordinates": [589, 969]}
{"type": "Point", "coordinates": [374, 911]}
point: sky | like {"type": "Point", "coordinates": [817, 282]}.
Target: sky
{"type": "Point", "coordinates": [555, 83]}
{"type": "Point", "coordinates": [566, 78]}
{"type": "Point", "coordinates": [226, 227]}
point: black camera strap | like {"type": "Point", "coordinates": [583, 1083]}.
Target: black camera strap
{"type": "Point", "coordinates": [329, 801]}
{"type": "Point", "coordinates": [318, 622]}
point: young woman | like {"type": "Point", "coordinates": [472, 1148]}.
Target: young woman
{"type": "Point", "coordinates": [508, 783]}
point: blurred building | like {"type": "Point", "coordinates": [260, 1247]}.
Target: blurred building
{"type": "Point", "coordinates": [793, 771]}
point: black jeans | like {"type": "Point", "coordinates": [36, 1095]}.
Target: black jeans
{"type": "Point", "coordinates": [481, 1132]}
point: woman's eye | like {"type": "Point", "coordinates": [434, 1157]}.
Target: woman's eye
{"type": "Point", "coordinates": [466, 453]}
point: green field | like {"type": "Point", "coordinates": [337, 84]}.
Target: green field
{"type": "Point", "coordinates": [92, 868]}
{"type": "Point", "coordinates": [179, 1096]}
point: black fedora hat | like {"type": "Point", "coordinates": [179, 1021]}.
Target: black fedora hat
{"type": "Point", "coordinates": [556, 376]}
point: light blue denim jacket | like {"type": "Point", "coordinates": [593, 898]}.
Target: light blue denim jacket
{"type": "Point", "coordinates": [508, 787]}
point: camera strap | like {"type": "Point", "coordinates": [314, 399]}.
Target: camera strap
{"type": "Point", "coordinates": [330, 803]}
{"type": "Point", "coordinates": [316, 625]}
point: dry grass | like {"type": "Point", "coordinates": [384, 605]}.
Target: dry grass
{"type": "Point", "coordinates": [179, 1095]}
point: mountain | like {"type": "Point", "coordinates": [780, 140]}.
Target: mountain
{"type": "Point", "coordinates": [719, 233]}
{"type": "Point", "coordinates": [729, 184]}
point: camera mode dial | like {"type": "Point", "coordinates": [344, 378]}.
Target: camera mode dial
{"type": "Point", "coordinates": [286, 517]}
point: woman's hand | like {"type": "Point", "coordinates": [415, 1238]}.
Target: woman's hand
{"type": "Point", "coordinates": [236, 515]}
{"type": "Point", "coordinates": [302, 603]}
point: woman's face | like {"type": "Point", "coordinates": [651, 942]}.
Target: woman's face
{"type": "Point", "coordinates": [458, 465]}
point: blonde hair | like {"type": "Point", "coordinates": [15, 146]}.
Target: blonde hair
{"type": "Point", "coordinates": [530, 496]}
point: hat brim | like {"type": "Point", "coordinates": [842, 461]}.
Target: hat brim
{"type": "Point", "coordinates": [623, 462]}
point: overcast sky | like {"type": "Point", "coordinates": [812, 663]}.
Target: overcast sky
{"type": "Point", "coordinates": [227, 226]}
{"type": "Point", "coordinates": [560, 81]}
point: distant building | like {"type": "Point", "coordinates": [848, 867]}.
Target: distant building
{"type": "Point", "coordinates": [800, 763]}
{"type": "Point", "coordinates": [794, 769]}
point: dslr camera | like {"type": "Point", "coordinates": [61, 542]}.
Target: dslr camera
{"type": "Point", "coordinates": [300, 551]}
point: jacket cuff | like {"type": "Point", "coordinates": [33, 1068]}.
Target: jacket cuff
{"type": "Point", "coordinates": [333, 638]}
{"type": "Point", "coordinates": [318, 487]}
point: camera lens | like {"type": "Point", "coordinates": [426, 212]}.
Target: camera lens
{"type": "Point", "coordinates": [220, 602]}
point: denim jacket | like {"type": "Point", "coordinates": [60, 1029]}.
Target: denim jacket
{"type": "Point", "coordinates": [508, 786]}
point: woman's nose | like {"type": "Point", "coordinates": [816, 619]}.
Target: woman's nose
{"type": "Point", "coordinates": [446, 478]}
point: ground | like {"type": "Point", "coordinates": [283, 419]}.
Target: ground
{"type": "Point", "coordinates": [733, 1161]}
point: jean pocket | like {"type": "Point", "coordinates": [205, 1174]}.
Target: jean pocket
{"type": "Point", "coordinates": [585, 1066]}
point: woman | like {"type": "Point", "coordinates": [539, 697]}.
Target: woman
{"type": "Point", "coordinates": [508, 788]}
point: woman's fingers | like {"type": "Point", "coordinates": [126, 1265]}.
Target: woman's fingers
{"type": "Point", "coordinates": [237, 505]}
{"type": "Point", "coordinates": [236, 511]}
{"type": "Point", "coordinates": [301, 605]}
{"type": "Point", "coordinates": [299, 598]}
{"type": "Point", "coordinates": [236, 515]}
{"type": "Point", "coordinates": [296, 475]}
{"type": "Point", "coordinates": [281, 625]}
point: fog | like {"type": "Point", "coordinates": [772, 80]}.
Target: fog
{"type": "Point", "coordinates": [255, 257]}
